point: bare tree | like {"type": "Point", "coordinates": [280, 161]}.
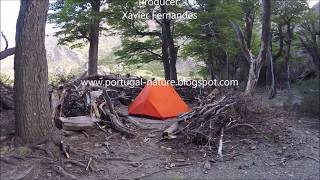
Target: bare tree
{"type": "Point", "coordinates": [256, 62]}
{"type": "Point", "coordinates": [31, 73]}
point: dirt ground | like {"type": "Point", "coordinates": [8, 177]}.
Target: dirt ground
{"type": "Point", "coordinates": [285, 146]}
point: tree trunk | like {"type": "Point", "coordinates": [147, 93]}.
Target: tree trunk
{"type": "Point", "coordinates": [256, 63]}
{"type": "Point", "coordinates": [270, 74]}
{"type": "Point", "coordinates": [167, 37]}
{"type": "Point", "coordinates": [173, 68]}
{"type": "Point", "coordinates": [280, 50]}
{"type": "Point", "coordinates": [165, 60]}
{"type": "Point", "coordinates": [287, 56]}
{"type": "Point", "coordinates": [94, 38]}
{"type": "Point", "coordinates": [227, 65]}
{"type": "Point", "coordinates": [288, 76]}
{"type": "Point", "coordinates": [32, 113]}
{"type": "Point", "coordinates": [273, 90]}
{"type": "Point", "coordinates": [249, 18]}
{"type": "Point", "coordinates": [253, 77]}
{"type": "Point", "coordinates": [173, 54]}
{"type": "Point", "coordinates": [165, 54]}
{"type": "Point", "coordinates": [210, 63]}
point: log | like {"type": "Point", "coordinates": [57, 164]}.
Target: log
{"type": "Point", "coordinates": [170, 131]}
{"type": "Point", "coordinates": [78, 123]}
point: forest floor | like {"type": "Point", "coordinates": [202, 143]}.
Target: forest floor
{"type": "Point", "coordinates": [287, 146]}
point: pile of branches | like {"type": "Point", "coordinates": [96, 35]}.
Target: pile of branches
{"type": "Point", "coordinates": [6, 97]}
{"type": "Point", "coordinates": [206, 123]}
{"type": "Point", "coordinates": [77, 107]}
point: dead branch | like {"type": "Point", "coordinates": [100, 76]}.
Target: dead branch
{"type": "Point", "coordinates": [171, 130]}
{"type": "Point", "coordinates": [48, 152]}
{"type": "Point", "coordinates": [63, 172]}
{"type": "Point", "coordinates": [237, 125]}
{"type": "Point", "coordinates": [89, 164]}
{"type": "Point", "coordinates": [114, 118]}
{"type": "Point", "coordinates": [65, 149]}
{"type": "Point", "coordinates": [80, 164]}
{"type": "Point", "coordinates": [5, 39]}
{"type": "Point", "coordinates": [220, 144]}
{"type": "Point", "coordinates": [23, 174]}
{"type": "Point", "coordinates": [8, 52]}
{"type": "Point", "coordinates": [207, 123]}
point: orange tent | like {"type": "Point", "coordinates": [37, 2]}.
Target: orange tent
{"type": "Point", "coordinates": [158, 100]}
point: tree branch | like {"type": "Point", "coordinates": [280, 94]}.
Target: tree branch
{"type": "Point", "coordinates": [7, 52]}
{"type": "Point", "coordinates": [153, 53]}
{"type": "Point", "coordinates": [142, 33]}
{"type": "Point", "coordinates": [248, 55]}
{"type": "Point", "coordinates": [5, 39]}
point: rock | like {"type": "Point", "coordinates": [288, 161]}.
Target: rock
{"type": "Point", "coordinates": [253, 147]}
{"type": "Point", "coordinates": [207, 165]}
{"type": "Point", "coordinates": [279, 152]}
{"type": "Point", "coordinates": [110, 131]}
{"type": "Point", "coordinates": [172, 165]}
{"type": "Point", "coordinates": [146, 139]}
{"type": "Point", "coordinates": [272, 164]}
{"type": "Point", "coordinates": [151, 135]}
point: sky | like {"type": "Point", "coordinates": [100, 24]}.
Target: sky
{"type": "Point", "coordinates": [9, 13]}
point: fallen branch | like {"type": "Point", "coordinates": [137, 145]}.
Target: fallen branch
{"type": "Point", "coordinates": [170, 131]}
{"type": "Point", "coordinates": [237, 125]}
{"type": "Point", "coordinates": [114, 118]}
{"type": "Point", "coordinates": [220, 144]}
{"type": "Point", "coordinates": [80, 164]}
{"type": "Point", "coordinates": [208, 122]}
{"type": "Point", "coordinates": [63, 172]}
{"type": "Point", "coordinates": [89, 164]}
{"type": "Point", "coordinates": [65, 149]}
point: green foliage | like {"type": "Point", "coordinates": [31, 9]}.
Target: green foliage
{"type": "Point", "coordinates": [211, 30]}
{"type": "Point", "coordinates": [72, 19]}
{"type": "Point", "coordinates": [284, 10]}
{"type": "Point", "coordinates": [139, 44]}
{"type": "Point", "coordinates": [58, 78]}
{"type": "Point", "coordinates": [134, 51]}
{"type": "Point", "coordinates": [6, 79]}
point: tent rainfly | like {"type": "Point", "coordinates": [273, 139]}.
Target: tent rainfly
{"type": "Point", "coordinates": [158, 100]}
